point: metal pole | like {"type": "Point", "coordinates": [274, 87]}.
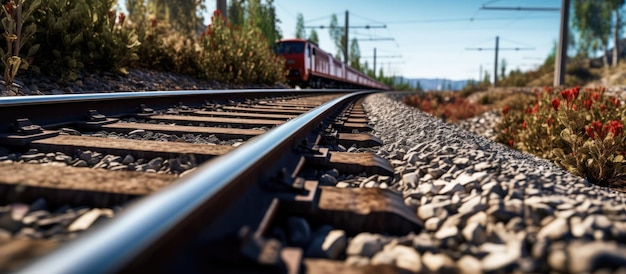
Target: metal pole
{"type": "Point", "coordinates": [345, 52]}
{"type": "Point", "coordinates": [561, 54]}
{"type": "Point", "coordinates": [374, 61]}
{"type": "Point", "coordinates": [495, 68]}
{"type": "Point", "coordinates": [222, 7]}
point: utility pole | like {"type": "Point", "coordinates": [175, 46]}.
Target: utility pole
{"type": "Point", "coordinates": [222, 7]}
{"type": "Point", "coordinates": [495, 66]}
{"type": "Point", "coordinates": [497, 49]}
{"type": "Point", "coordinates": [561, 54]}
{"type": "Point", "coordinates": [346, 41]}
{"type": "Point", "coordinates": [374, 61]}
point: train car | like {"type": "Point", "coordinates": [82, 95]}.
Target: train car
{"type": "Point", "coordinates": [308, 65]}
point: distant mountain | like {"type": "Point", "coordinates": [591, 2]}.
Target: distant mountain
{"type": "Point", "coordinates": [433, 84]}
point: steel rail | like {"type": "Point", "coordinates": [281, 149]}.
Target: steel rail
{"type": "Point", "coordinates": [118, 243]}
{"type": "Point", "coordinates": [56, 109]}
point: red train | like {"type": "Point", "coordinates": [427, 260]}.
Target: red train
{"type": "Point", "coordinates": [308, 65]}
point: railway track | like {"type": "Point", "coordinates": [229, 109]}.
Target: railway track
{"type": "Point", "coordinates": [187, 181]}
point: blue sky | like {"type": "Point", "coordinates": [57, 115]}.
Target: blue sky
{"type": "Point", "coordinates": [431, 36]}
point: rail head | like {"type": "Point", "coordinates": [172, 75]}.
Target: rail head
{"type": "Point", "coordinates": [149, 219]}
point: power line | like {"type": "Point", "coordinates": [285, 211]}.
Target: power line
{"type": "Point", "coordinates": [521, 8]}
{"type": "Point", "coordinates": [470, 19]}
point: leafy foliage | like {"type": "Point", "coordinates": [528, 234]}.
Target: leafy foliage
{"type": "Point", "coordinates": [82, 34]}
{"type": "Point", "coordinates": [237, 55]}
{"type": "Point", "coordinates": [581, 131]}
{"type": "Point", "coordinates": [161, 47]}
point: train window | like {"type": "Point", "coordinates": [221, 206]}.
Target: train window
{"type": "Point", "coordinates": [289, 47]}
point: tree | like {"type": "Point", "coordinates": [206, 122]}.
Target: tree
{"type": "Point", "coordinates": [263, 17]}
{"type": "Point", "coordinates": [313, 37]}
{"type": "Point", "coordinates": [337, 34]}
{"type": "Point", "coordinates": [182, 15]}
{"type": "Point", "coordinates": [355, 54]}
{"type": "Point", "coordinates": [615, 6]}
{"type": "Point", "coordinates": [592, 19]}
{"type": "Point", "coordinates": [236, 12]}
{"type": "Point", "coordinates": [300, 31]}
{"type": "Point", "coordinates": [418, 87]}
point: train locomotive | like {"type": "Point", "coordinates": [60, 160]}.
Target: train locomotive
{"type": "Point", "coordinates": [308, 65]}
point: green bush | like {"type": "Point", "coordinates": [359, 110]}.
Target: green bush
{"type": "Point", "coordinates": [82, 34]}
{"type": "Point", "coordinates": [237, 55]}
{"type": "Point", "coordinates": [161, 48]}
{"type": "Point", "coordinates": [581, 131]}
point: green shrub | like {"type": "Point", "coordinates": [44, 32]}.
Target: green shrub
{"type": "Point", "coordinates": [161, 48]}
{"type": "Point", "coordinates": [581, 131]}
{"type": "Point", "coordinates": [237, 55]}
{"type": "Point", "coordinates": [82, 34]}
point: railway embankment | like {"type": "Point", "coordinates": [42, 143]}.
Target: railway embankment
{"type": "Point", "coordinates": [486, 207]}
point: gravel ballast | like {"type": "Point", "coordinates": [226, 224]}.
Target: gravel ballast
{"type": "Point", "coordinates": [486, 208]}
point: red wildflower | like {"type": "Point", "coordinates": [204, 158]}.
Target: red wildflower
{"type": "Point", "coordinates": [555, 104]}
{"type": "Point", "coordinates": [568, 95]}
{"type": "Point", "coordinates": [550, 121]}
{"type": "Point", "coordinates": [111, 13]}
{"type": "Point", "coordinates": [505, 110]}
{"type": "Point", "coordinates": [511, 142]}
{"type": "Point", "coordinates": [590, 132]}
{"type": "Point", "coordinates": [597, 125]}
{"type": "Point", "coordinates": [616, 102]}
{"type": "Point", "coordinates": [575, 91]}
{"type": "Point", "coordinates": [602, 108]}
{"type": "Point", "coordinates": [595, 96]}
{"type": "Point", "coordinates": [9, 7]}
{"type": "Point", "coordinates": [121, 18]}
{"type": "Point", "coordinates": [587, 104]}
{"type": "Point", "coordinates": [547, 90]}
{"type": "Point", "coordinates": [524, 125]}
{"type": "Point", "coordinates": [574, 107]}
{"type": "Point", "coordinates": [615, 127]}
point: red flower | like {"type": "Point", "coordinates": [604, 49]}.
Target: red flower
{"type": "Point", "coordinates": [615, 127]}
{"type": "Point", "coordinates": [121, 18]}
{"type": "Point", "coordinates": [616, 102]}
{"type": "Point", "coordinates": [575, 91]}
{"type": "Point", "coordinates": [111, 13]}
{"type": "Point", "coordinates": [555, 104]}
{"type": "Point", "coordinates": [597, 125]}
{"type": "Point", "coordinates": [505, 110]}
{"type": "Point", "coordinates": [153, 22]}
{"type": "Point", "coordinates": [574, 107]}
{"type": "Point", "coordinates": [602, 108]}
{"type": "Point", "coordinates": [595, 96]}
{"type": "Point", "coordinates": [524, 125]}
{"type": "Point", "coordinates": [587, 104]}
{"type": "Point", "coordinates": [547, 90]}
{"type": "Point", "coordinates": [590, 132]}
{"type": "Point", "coordinates": [550, 121]}
{"type": "Point", "coordinates": [568, 95]}
{"type": "Point", "coordinates": [511, 142]}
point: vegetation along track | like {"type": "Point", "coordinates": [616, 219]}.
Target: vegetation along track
{"type": "Point", "coordinates": [168, 189]}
